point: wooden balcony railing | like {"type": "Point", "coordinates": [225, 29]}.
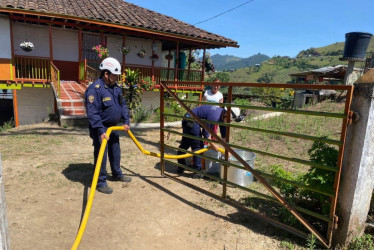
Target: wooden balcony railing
{"type": "Point", "coordinates": [167, 74]}
{"type": "Point", "coordinates": [55, 79]}
{"type": "Point", "coordinates": [36, 68]}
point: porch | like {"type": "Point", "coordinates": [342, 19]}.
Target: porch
{"type": "Point", "coordinates": [42, 70]}
{"type": "Point", "coordinates": [69, 84]}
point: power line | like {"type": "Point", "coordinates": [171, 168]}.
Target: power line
{"type": "Point", "coordinates": [224, 12]}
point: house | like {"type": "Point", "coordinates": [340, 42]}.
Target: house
{"type": "Point", "coordinates": [328, 74]}
{"type": "Point", "coordinates": [53, 75]}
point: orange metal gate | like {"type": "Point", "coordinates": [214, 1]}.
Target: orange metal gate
{"type": "Point", "coordinates": [304, 214]}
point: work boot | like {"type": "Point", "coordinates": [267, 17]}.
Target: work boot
{"type": "Point", "coordinates": [105, 189]}
{"type": "Point", "coordinates": [122, 178]}
{"type": "Point", "coordinates": [197, 176]}
{"type": "Point", "coordinates": [180, 170]}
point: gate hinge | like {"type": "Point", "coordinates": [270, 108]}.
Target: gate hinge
{"type": "Point", "coordinates": [353, 117]}
{"type": "Point", "coordinates": [335, 222]}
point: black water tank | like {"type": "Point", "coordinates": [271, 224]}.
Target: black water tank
{"type": "Point", "coordinates": [356, 44]}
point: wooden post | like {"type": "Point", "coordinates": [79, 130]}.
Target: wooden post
{"type": "Point", "coordinates": [229, 100]}
{"type": "Point", "coordinates": [80, 56]}
{"type": "Point", "coordinates": [50, 44]}
{"type": "Point", "coordinates": [167, 76]}
{"type": "Point", "coordinates": [203, 66]}
{"type": "Point", "coordinates": [176, 63]}
{"type": "Point", "coordinates": [189, 65]}
{"type": "Point", "coordinates": [162, 133]}
{"type": "Point", "coordinates": [123, 55]}
{"type": "Point", "coordinates": [80, 37]}
{"type": "Point", "coordinates": [103, 39]}
{"type": "Point", "coordinates": [202, 73]}
{"type": "Point", "coordinates": [153, 62]}
{"type": "Point", "coordinates": [13, 68]}
{"type": "Point", "coordinates": [15, 108]}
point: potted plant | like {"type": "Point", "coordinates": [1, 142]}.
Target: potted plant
{"type": "Point", "coordinates": [142, 53]}
{"type": "Point", "coordinates": [101, 50]}
{"type": "Point", "coordinates": [169, 57]}
{"type": "Point", "coordinates": [125, 50]}
{"type": "Point", "coordinates": [27, 46]}
{"type": "Point", "coordinates": [154, 56]}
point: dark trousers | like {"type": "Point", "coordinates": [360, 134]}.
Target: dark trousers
{"type": "Point", "coordinates": [195, 145]}
{"type": "Point", "coordinates": [114, 152]}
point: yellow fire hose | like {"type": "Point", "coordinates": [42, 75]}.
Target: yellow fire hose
{"type": "Point", "coordinates": [97, 171]}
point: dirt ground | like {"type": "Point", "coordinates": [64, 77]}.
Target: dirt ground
{"type": "Point", "coordinates": [47, 172]}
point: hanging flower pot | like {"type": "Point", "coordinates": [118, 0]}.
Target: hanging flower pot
{"type": "Point", "coordinates": [169, 57]}
{"type": "Point", "coordinates": [142, 53]}
{"type": "Point", "coordinates": [154, 56]}
{"type": "Point", "coordinates": [125, 50]}
{"type": "Point", "coordinates": [27, 46]}
{"type": "Point", "coordinates": [101, 50]}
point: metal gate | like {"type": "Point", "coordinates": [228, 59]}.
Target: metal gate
{"type": "Point", "coordinates": [278, 184]}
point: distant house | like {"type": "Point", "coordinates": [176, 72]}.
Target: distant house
{"type": "Point", "coordinates": [53, 75]}
{"type": "Point", "coordinates": [326, 74]}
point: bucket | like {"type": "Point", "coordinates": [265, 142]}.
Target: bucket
{"type": "Point", "coordinates": [356, 44]}
{"type": "Point", "coordinates": [212, 167]}
{"type": "Point", "coordinates": [236, 175]}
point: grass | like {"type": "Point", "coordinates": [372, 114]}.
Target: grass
{"type": "Point", "coordinates": [365, 241]}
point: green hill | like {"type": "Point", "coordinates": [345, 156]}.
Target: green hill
{"type": "Point", "coordinates": [278, 69]}
{"type": "Point", "coordinates": [228, 62]}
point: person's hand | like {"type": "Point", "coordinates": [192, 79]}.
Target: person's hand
{"type": "Point", "coordinates": [104, 136]}
{"type": "Point", "coordinates": [126, 127]}
{"type": "Point", "coordinates": [214, 146]}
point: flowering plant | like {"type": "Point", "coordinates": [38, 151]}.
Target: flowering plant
{"type": "Point", "coordinates": [125, 50]}
{"type": "Point", "coordinates": [154, 56]}
{"type": "Point", "coordinates": [146, 84]}
{"type": "Point", "coordinates": [169, 57]}
{"type": "Point", "coordinates": [27, 46]}
{"type": "Point", "coordinates": [101, 50]}
{"type": "Point", "coordinates": [142, 53]}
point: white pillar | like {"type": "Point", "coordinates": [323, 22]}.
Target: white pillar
{"type": "Point", "coordinates": [357, 179]}
{"type": "Point", "coordinates": [4, 238]}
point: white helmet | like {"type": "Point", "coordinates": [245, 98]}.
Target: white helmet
{"type": "Point", "coordinates": [112, 65]}
{"type": "Point", "coordinates": [235, 114]}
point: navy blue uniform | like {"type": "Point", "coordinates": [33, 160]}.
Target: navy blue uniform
{"type": "Point", "coordinates": [105, 107]}
{"type": "Point", "coordinates": [206, 112]}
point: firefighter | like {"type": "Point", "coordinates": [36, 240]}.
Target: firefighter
{"type": "Point", "coordinates": [106, 107]}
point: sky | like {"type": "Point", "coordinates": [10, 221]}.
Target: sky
{"type": "Point", "coordinates": [272, 27]}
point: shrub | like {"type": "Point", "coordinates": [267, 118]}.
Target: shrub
{"type": "Point", "coordinates": [141, 114]}
{"type": "Point", "coordinates": [7, 125]}
{"type": "Point", "coordinates": [364, 242]}
{"type": "Point", "coordinates": [321, 179]}
{"type": "Point", "coordinates": [170, 108]}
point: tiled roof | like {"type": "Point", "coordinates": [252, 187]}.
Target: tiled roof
{"type": "Point", "coordinates": [118, 12]}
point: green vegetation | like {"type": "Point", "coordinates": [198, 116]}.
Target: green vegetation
{"type": "Point", "coordinates": [364, 242]}
{"type": "Point", "coordinates": [311, 242]}
{"type": "Point", "coordinates": [232, 62]}
{"type": "Point", "coordinates": [278, 68]}
{"type": "Point", "coordinates": [135, 84]}
{"type": "Point", "coordinates": [7, 125]}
